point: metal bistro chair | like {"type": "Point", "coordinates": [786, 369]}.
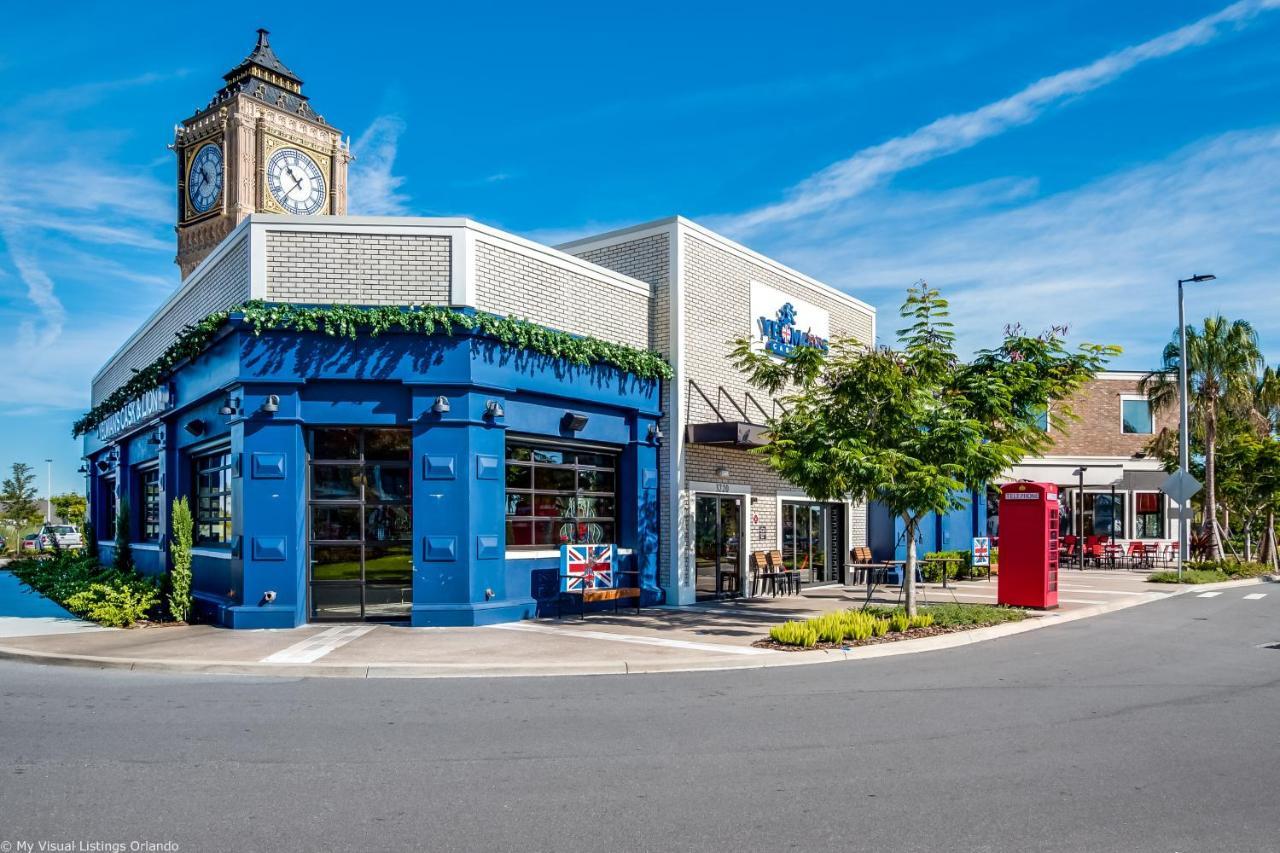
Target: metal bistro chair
{"type": "Point", "coordinates": [762, 577]}
{"type": "Point", "coordinates": [1137, 554]}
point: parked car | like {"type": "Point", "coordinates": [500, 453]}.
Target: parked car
{"type": "Point", "coordinates": [66, 536]}
{"type": "Point", "coordinates": [30, 542]}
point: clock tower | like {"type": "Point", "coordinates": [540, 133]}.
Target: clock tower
{"type": "Point", "coordinates": [257, 147]}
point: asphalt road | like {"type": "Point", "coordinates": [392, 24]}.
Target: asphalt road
{"type": "Point", "coordinates": [1155, 728]}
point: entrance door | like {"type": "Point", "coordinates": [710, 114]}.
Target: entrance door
{"type": "Point", "coordinates": [717, 546]}
{"type": "Point", "coordinates": [360, 494]}
{"type": "Point", "coordinates": [813, 540]}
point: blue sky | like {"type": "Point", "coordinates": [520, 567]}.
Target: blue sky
{"type": "Point", "coordinates": [1042, 163]}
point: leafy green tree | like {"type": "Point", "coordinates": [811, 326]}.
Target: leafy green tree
{"type": "Point", "coordinates": [180, 551]}
{"type": "Point", "coordinates": [914, 428]}
{"type": "Point", "coordinates": [1223, 361]}
{"type": "Point", "coordinates": [18, 494]}
{"type": "Point", "coordinates": [124, 554]}
{"type": "Point", "coordinates": [70, 507]}
{"type": "Point", "coordinates": [1249, 484]}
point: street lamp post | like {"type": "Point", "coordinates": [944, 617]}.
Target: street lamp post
{"type": "Point", "coordinates": [48, 492]}
{"type": "Point", "coordinates": [1184, 437]}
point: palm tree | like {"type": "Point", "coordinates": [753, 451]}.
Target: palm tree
{"type": "Point", "coordinates": [1222, 370]}
{"type": "Point", "coordinates": [1266, 397]}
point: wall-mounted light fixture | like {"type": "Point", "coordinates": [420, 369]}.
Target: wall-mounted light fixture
{"type": "Point", "coordinates": [103, 466]}
{"type": "Point", "coordinates": [154, 438]}
{"type": "Point", "coordinates": [195, 426]}
{"type": "Point", "coordinates": [82, 470]}
{"type": "Point", "coordinates": [655, 434]}
{"type": "Point", "coordinates": [230, 406]}
{"type": "Point", "coordinates": [573, 422]}
{"type": "Point", "coordinates": [494, 409]}
{"type": "Point", "coordinates": [271, 405]}
{"type": "Point", "coordinates": [722, 472]}
{"type": "Point", "coordinates": [441, 405]}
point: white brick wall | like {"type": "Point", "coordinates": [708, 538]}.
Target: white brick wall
{"type": "Point", "coordinates": [220, 286]}
{"type": "Point", "coordinates": [514, 283]}
{"type": "Point", "coordinates": [357, 268]}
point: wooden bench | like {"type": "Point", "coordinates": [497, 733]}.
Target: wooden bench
{"type": "Point", "coordinates": [590, 596]}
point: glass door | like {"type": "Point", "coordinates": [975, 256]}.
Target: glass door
{"type": "Point", "coordinates": [717, 546]}
{"type": "Point", "coordinates": [813, 540]}
{"type": "Point", "coordinates": [360, 492]}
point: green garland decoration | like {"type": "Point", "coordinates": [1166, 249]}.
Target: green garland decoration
{"type": "Point", "coordinates": [347, 321]}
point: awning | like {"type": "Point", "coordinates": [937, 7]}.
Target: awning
{"type": "Point", "coordinates": [1063, 474]}
{"type": "Point", "coordinates": [726, 434]}
{"type": "Point", "coordinates": [1143, 481]}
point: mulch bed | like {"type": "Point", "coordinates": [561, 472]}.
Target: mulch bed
{"type": "Point", "coordinates": [891, 637]}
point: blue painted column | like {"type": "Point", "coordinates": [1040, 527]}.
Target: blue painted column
{"type": "Point", "coordinates": [459, 515]}
{"type": "Point", "coordinates": [269, 514]}
{"type": "Point", "coordinates": [638, 515]}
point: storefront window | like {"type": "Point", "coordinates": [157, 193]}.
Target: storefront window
{"type": "Point", "coordinates": [107, 530]}
{"type": "Point", "coordinates": [810, 538]}
{"type": "Point", "coordinates": [1104, 514]}
{"type": "Point", "coordinates": [1148, 515]}
{"type": "Point", "coordinates": [150, 489]}
{"type": "Point", "coordinates": [213, 498]}
{"type": "Point", "coordinates": [558, 495]}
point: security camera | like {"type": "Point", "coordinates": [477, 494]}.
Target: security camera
{"type": "Point", "coordinates": [269, 596]}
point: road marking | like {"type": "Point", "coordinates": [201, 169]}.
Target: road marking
{"type": "Point", "coordinates": [1208, 594]}
{"type": "Point", "coordinates": [1093, 591]}
{"type": "Point", "coordinates": [1254, 596]}
{"type": "Point", "coordinates": [315, 647]}
{"type": "Point", "coordinates": [632, 638]}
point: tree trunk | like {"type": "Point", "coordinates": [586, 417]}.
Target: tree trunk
{"type": "Point", "coordinates": [1267, 542]}
{"type": "Point", "coordinates": [909, 570]}
{"type": "Point", "coordinates": [1210, 528]}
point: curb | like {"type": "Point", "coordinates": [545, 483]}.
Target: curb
{"type": "Point", "coordinates": [612, 667]}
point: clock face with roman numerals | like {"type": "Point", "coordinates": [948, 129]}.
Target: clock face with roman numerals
{"type": "Point", "coordinates": [295, 181]}
{"type": "Point", "coordinates": [204, 177]}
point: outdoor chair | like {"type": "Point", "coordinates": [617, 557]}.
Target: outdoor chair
{"type": "Point", "coordinates": [762, 577]}
{"type": "Point", "coordinates": [1137, 553]}
{"type": "Point", "coordinates": [789, 579]}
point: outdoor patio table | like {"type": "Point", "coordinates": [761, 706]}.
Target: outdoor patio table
{"type": "Point", "coordinates": [945, 562]}
{"type": "Point", "coordinates": [1110, 553]}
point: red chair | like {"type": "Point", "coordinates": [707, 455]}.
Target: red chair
{"type": "Point", "coordinates": [1093, 550]}
{"type": "Point", "coordinates": [1137, 553]}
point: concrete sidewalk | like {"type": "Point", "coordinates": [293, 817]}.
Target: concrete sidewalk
{"type": "Point", "coordinates": [701, 637]}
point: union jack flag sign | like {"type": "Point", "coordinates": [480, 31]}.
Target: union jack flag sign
{"type": "Point", "coordinates": [586, 567]}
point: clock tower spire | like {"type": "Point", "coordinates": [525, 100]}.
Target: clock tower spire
{"type": "Point", "coordinates": [257, 146]}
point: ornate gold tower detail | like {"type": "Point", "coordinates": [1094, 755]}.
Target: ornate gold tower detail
{"type": "Point", "coordinates": [257, 146]}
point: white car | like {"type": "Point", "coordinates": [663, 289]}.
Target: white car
{"type": "Point", "coordinates": [67, 536]}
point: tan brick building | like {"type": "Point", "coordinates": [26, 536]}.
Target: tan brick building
{"type": "Point", "coordinates": [1105, 445]}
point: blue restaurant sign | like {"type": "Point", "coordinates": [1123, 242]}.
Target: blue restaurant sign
{"type": "Point", "coordinates": [781, 336]}
{"type": "Point", "coordinates": [133, 413]}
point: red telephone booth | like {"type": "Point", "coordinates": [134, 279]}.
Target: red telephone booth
{"type": "Point", "coordinates": [1029, 545]}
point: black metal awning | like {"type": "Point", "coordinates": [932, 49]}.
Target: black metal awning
{"type": "Point", "coordinates": [727, 434]}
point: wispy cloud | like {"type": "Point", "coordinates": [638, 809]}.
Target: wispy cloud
{"type": "Point", "coordinates": [1102, 257]}
{"type": "Point", "coordinates": [874, 165]}
{"type": "Point", "coordinates": [40, 290]}
{"type": "Point", "coordinates": [373, 187]}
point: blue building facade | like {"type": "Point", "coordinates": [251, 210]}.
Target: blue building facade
{"type": "Point", "coordinates": [404, 477]}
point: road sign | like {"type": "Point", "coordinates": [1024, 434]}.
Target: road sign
{"type": "Point", "coordinates": [1180, 487]}
{"type": "Point", "coordinates": [981, 551]}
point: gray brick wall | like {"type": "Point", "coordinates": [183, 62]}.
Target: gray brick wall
{"type": "Point", "coordinates": [221, 286]}
{"type": "Point", "coordinates": [512, 283]}
{"type": "Point", "coordinates": [358, 269]}
{"type": "Point", "coordinates": [649, 260]}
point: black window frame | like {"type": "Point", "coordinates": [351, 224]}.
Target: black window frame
{"type": "Point", "coordinates": [148, 525]}
{"type": "Point", "coordinates": [531, 520]}
{"type": "Point", "coordinates": [363, 502]}
{"type": "Point", "coordinates": [222, 517]}
{"type": "Point", "coordinates": [109, 508]}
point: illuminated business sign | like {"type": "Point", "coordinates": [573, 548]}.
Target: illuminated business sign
{"type": "Point", "coordinates": [783, 323]}
{"type": "Point", "coordinates": [131, 414]}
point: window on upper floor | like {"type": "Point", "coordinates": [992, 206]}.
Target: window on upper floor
{"type": "Point", "coordinates": [1135, 416]}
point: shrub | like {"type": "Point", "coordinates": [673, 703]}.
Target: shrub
{"type": "Point", "coordinates": [921, 620]}
{"type": "Point", "coordinates": [899, 622]}
{"type": "Point", "coordinates": [933, 571]}
{"type": "Point", "coordinates": [124, 554]}
{"type": "Point", "coordinates": [794, 634]}
{"type": "Point", "coordinates": [880, 627]}
{"type": "Point", "coordinates": [1233, 568]}
{"type": "Point", "coordinates": [830, 627]}
{"type": "Point", "coordinates": [87, 589]}
{"type": "Point", "coordinates": [180, 551]}
{"type": "Point", "coordinates": [90, 537]}
{"type": "Point", "coordinates": [948, 615]}
{"type": "Point", "coordinates": [1189, 576]}
{"type": "Point", "coordinates": [118, 603]}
